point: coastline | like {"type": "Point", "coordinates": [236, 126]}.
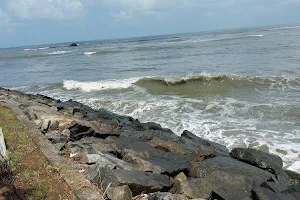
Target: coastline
{"type": "Point", "coordinates": [132, 158]}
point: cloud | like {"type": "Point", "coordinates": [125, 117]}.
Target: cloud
{"type": "Point", "coordinates": [46, 9]}
{"type": "Point", "coordinates": [122, 15]}
{"type": "Point", "coordinates": [4, 19]}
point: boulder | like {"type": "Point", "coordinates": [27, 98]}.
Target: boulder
{"type": "Point", "coordinates": [73, 45]}
{"type": "Point", "coordinates": [45, 126]}
{"type": "Point", "coordinates": [138, 182]}
{"type": "Point", "coordinates": [258, 158]}
{"type": "Point", "coordinates": [188, 137]}
{"type": "Point", "coordinates": [168, 162]}
{"type": "Point", "coordinates": [266, 194]}
{"type": "Point", "coordinates": [225, 176]}
{"type": "Point", "coordinates": [119, 193]}
{"type": "Point", "coordinates": [56, 137]}
{"type": "Point", "coordinates": [53, 126]}
{"type": "Point", "coordinates": [166, 196]}
{"type": "Point", "coordinates": [81, 128]}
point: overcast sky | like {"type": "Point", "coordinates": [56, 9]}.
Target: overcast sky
{"type": "Point", "coordinates": [26, 22]}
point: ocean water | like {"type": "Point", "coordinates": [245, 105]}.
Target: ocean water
{"type": "Point", "coordinates": [239, 87]}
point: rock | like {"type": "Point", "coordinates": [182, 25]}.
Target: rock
{"type": "Point", "coordinates": [31, 115]}
{"type": "Point", "coordinates": [219, 149]}
{"type": "Point", "coordinates": [292, 174]}
{"type": "Point", "coordinates": [45, 126]}
{"type": "Point", "coordinates": [166, 146]}
{"type": "Point", "coordinates": [66, 133]}
{"type": "Point", "coordinates": [80, 129]}
{"type": "Point", "coordinates": [109, 162]}
{"type": "Point", "coordinates": [266, 194]}
{"type": "Point", "coordinates": [234, 179]}
{"type": "Point", "coordinates": [275, 187]}
{"type": "Point", "coordinates": [181, 177]}
{"type": "Point", "coordinates": [73, 45]}
{"type": "Point", "coordinates": [119, 193]}
{"type": "Point", "coordinates": [258, 158]}
{"type": "Point", "coordinates": [53, 126]}
{"type": "Point", "coordinates": [56, 137]}
{"type": "Point", "coordinates": [166, 196]}
{"type": "Point", "coordinates": [168, 162]}
{"type": "Point", "coordinates": [137, 181]}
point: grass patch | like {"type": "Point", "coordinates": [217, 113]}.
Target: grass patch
{"type": "Point", "coordinates": [35, 178]}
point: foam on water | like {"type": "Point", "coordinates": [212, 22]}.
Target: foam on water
{"type": "Point", "coordinates": [99, 85]}
{"type": "Point", "coordinates": [89, 53]}
{"type": "Point", "coordinates": [58, 52]}
{"type": "Point", "coordinates": [256, 35]}
{"type": "Point", "coordinates": [42, 48]}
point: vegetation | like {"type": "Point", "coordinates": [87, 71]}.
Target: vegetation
{"type": "Point", "coordinates": [34, 177]}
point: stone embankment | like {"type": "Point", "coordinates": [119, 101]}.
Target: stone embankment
{"type": "Point", "coordinates": [132, 160]}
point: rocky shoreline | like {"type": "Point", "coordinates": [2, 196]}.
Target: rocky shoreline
{"type": "Point", "coordinates": [135, 160]}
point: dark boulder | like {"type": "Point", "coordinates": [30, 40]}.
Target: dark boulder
{"type": "Point", "coordinates": [73, 45]}
{"type": "Point", "coordinates": [188, 137]}
{"type": "Point", "coordinates": [138, 182]}
{"type": "Point", "coordinates": [169, 163]}
{"type": "Point", "coordinates": [258, 158]}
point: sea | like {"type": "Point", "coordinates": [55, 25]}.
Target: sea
{"type": "Point", "coordinates": [238, 87]}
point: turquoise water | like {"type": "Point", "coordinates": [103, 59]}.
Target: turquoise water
{"type": "Point", "coordinates": [237, 87]}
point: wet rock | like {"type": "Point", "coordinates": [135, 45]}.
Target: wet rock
{"type": "Point", "coordinates": [234, 178]}
{"type": "Point", "coordinates": [138, 182]}
{"type": "Point", "coordinates": [119, 193]}
{"type": "Point", "coordinates": [292, 174]}
{"type": "Point", "coordinates": [258, 158]}
{"type": "Point", "coordinates": [219, 149]}
{"type": "Point", "coordinates": [166, 196]}
{"type": "Point", "coordinates": [73, 45]}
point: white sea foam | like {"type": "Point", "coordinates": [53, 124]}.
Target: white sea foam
{"type": "Point", "coordinates": [30, 49]}
{"type": "Point", "coordinates": [88, 53]}
{"type": "Point", "coordinates": [42, 48]}
{"type": "Point", "coordinates": [58, 52]}
{"type": "Point", "coordinates": [256, 35]}
{"type": "Point", "coordinates": [99, 85]}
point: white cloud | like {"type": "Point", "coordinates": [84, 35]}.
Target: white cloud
{"type": "Point", "coordinates": [46, 9]}
{"type": "Point", "coordinates": [122, 15]}
{"type": "Point", "coordinates": [4, 19]}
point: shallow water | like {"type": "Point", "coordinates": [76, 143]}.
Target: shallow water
{"type": "Point", "coordinates": [237, 87]}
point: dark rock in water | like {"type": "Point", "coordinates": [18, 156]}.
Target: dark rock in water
{"type": "Point", "coordinates": [119, 193]}
{"type": "Point", "coordinates": [225, 176]}
{"type": "Point", "coordinates": [258, 158]}
{"type": "Point", "coordinates": [73, 45]}
{"type": "Point", "coordinates": [219, 149]}
{"type": "Point", "coordinates": [293, 175]}
{"type": "Point", "coordinates": [138, 182]}
{"type": "Point", "coordinates": [166, 196]}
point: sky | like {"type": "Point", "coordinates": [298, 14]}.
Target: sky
{"type": "Point", "coordinates": [32, 22]}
